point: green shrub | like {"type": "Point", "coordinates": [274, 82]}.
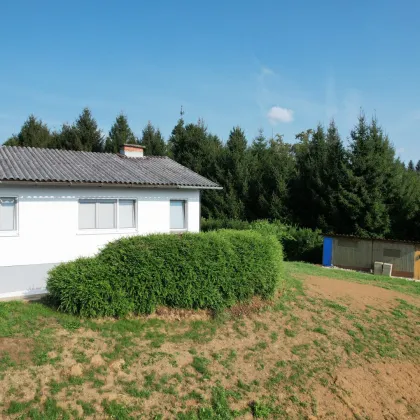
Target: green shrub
{"type": "Point", "coordinates": [83, 287]}
{"type": "Point", "coordinates": [299, 244]}
{"type": "Point", "coordinates": [303, 244]}
{"type": "Point", "coordinates": [135, 274]}
{"type": "Point", "coordinates": [218, 224]}
{"type": "Point", "coordinates": [275, 228]}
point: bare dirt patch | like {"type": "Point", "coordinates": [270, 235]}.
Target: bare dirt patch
{"type": "Point", "coordinates": [357, 295]}
{"type": "Point", "coordinates": [175, 314]}
{"type": "Point", "coordinates": [373, 391]}
{"type": "Point", "coordinates": [256, 304]}
{"type": "Point", "coordinates": [381, 390]}
{"type": "Point", "coordinates": [18, 349]}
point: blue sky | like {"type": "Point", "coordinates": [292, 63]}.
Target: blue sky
{"type": "Point", "coordinates": [277, 65]}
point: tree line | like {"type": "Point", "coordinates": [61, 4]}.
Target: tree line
{"type": "Point", "coordinates": [85, 135]}
{"type": "Point", "coordinates": [362, 188]}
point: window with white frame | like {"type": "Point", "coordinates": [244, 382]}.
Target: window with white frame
{"type": "Point", "coordinates": [177, 217]}
{"type": "Point", "coordinates": [126, 214]}
{"type": "Point", "coordinates": [8, 221]}
{"type": "Point", "coordinates": [107, 214]}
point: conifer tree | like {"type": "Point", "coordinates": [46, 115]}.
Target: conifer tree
{"type": "Point", "coordinates": [90, 136]}
{"type": "Point", "coordinates": [308, 190]}
{"type": "Point", "coordinates": [34, 133]}
{"type": "Point", "coordinates": [336, 181]}
{"type": "Point", "coordinates": [188, 144]}
{"type": "Point", "coordinates": [404, 207]}
{"type": "Point", "coordinates": [258, 203]}
{"type": "Point", "coordinates": [153, 141]}
{"type": "Point", "coordinates": [278, 171]}
{"type": "Point", "coordinates": [69, 138]}
{"type": "Point", "coordinates": [177, 141]}
{"type": "Point", "coordinates": [236, 174]}
{"type": "Point", "coordinates": [371, 163]}
{"type": "Point", "coordinates": [119, 134]}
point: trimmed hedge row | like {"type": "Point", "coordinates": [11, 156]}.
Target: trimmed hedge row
{"type": "Point", "coordinates": [299, 244]}
{"type": "Point", "coordinates": [134, 275]}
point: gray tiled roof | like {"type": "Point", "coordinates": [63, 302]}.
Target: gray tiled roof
{"type": "Point", "coordinates": [51, 165]}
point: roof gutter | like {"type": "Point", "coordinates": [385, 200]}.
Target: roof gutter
{"type": "Point", "coordinates": [360, 238]}
{"type": "Point", "coordinates": [191, 187]}
{"type": "Point", "coordinates": [103, 185]}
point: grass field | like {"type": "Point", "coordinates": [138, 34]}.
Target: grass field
{"type": "Point", "coordinates": [330, 345]}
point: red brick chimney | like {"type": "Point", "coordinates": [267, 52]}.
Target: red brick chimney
{"type": "Point", "coordinates": [132, 150]}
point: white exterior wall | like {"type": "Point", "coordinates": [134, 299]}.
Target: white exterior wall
{"type": "Point", "coordinates": [48, 230]}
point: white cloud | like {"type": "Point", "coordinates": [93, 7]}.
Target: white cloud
{"type": "Point", "coordinates": [266, 71]}
{"type": "Point", "coordinates": [278, 114]}
{"type": "Point", "coordinates": [400, 151]}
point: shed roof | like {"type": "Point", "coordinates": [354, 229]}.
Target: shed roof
{"type": "Point", "coordinates": [52, 165]}
{"type": "Point", "coordinates": [360, 238]}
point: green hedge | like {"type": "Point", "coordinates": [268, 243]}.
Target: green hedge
{"type": "Point", "coordinates": [303, 244]}
{"type": "Point", "coordinates": [134, 275]}
{"type": "Point", "coordinates": [217, 224]}
{"type": "Point", "coordinates": [299, 244]}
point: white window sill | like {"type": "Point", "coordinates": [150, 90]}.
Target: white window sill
{"type": "Point", "coordinates": [178, 230]}
{"type": "Point", "coordinates": [106, 231]}
{"type": "Point", "coordinates": [7, 233]}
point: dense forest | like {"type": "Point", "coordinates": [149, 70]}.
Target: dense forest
{"type": "Point", "coordinates": [315, 182]}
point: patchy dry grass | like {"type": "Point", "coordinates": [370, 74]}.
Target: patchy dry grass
{"type": "Point", "coordinates": [316, 350]}
{"type": "Point", "coordinates": [390, 283]}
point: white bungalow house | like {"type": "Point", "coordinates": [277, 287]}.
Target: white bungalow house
{"type": "Point", "coordinates": [57, 205]}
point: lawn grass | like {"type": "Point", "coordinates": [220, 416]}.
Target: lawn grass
{"type": "Point", "coordinates": [269, 364]}
{"type": "Point", "coordinates": [390, 283]}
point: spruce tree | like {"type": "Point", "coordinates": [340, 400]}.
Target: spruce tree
{"type": "Point", "coordinates": [259, 144]}
{"type": "Point", "coordinates": [257, 205]}
{"type": "Point", "coordinates": [195, 148]}
{"type": "Point", "coordinates": [371, 165]}
{"type": "Point", "coordinates": [236, 174]}
{"type": "Point", "coordinates": [308, 189]}
{"type": "Point", "coordinates": [177, 141]}
{"type": "Point", "coordinates": [410, 166]}
{"type": "Point", "coordinates": [279, 169]}
{"type": "Point", "coordinates": [69, 138]}
{"type": "Point", "coordinates": [405, 206]}
{"type": "Point", "coordinates": [336, 182]}
{"type": "Point", "coordinates": [90, 136]}
{"type": "Point", "coordinates": [34, 133]}
{"type": "Point", "coordinates": [119, 134]}
{"type": "Point", "coordinates": [188, 144]}
{"type": "Point", "coordinates": [213, 203]}
{"type": "Point", "coordinates": [12, 141]}
{"type": "Point", "coordinates": [153, 141]}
